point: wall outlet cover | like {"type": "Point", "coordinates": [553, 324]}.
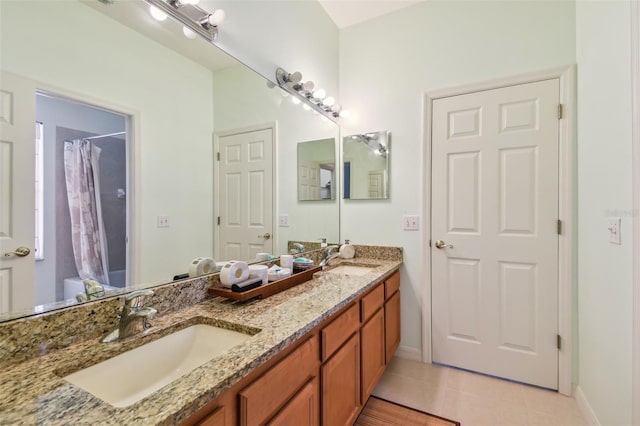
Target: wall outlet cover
{"type": "Point", "coordinates": [411, 222]}
{"type": "Point", "coordinates": [613, 227]}
{"type": "Point", "coordinates": [163, 221]}
{"type": "Point", "coordinates": [283, 220]}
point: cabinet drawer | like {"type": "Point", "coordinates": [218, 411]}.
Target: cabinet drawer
{"type": "Point", "coordinates": [371, 303]}
{"type": "Point", "coordinates": [336, 333]}
{"type": "Point", "coordinates": [391, 285]}
{"type": "Point", "coordinates": [261, 399]}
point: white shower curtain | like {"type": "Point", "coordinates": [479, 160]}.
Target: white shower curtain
{"type": "Point", "coordinates": [81, 167]}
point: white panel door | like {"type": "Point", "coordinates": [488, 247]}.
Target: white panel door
{"type": "Point", "coordinates": [308, 181]}
{"type": "Point", "coordinates": [376, 187]}
{"type": "Point", "coordinates": [245, 195]}
{"type": "Point", "coordinates": [495, 201]}
{"type": "Point", "coordinates": [17, 191]}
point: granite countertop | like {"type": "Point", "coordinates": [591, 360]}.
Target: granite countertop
{"type": "Point", "coordinates": [33, 392]}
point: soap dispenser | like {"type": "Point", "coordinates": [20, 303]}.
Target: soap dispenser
{"type": "Point", "coordinates": [323, 243]}
{"type": "Point", "coordinates": [347, 251]}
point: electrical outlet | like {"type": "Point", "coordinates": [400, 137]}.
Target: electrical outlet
{"type": "Point", "coordinates": [163, 221]}
{"type": "Point", "coordinates": [410, 222]}
{"type": "Point", "coordinates": [283, 220]}
{"type": "Point", "coordinates": [614, 230]}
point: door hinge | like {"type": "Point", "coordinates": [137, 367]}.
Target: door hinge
{"type": "Point", "coordinates": [218, 156]}
{"type": "Point", "coordinates": [559, 342]}
{"type": "Point", "coordinates": [559, 225]}
{"type": "Point", "coordinates": [560, 111]}
{"type": "Point", "coordinates": [218, 220]}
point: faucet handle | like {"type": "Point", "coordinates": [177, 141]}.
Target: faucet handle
{"type": "Point", "coordinates": [132, 298]}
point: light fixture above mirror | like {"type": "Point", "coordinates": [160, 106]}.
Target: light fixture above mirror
{"type": "Point", "coordinates": [316, 99]}
{"type": "Point", "coordinates": [195, 19]}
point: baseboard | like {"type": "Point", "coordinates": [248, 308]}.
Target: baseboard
{"type": "Point", "coordinates": [407, 352]}
{"type": "Point", "coordinates": [585, 408]}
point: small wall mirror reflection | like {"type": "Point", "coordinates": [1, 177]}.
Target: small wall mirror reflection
{"type": "Point", "coordinates": [366, 165]}
{"type": "Point", "coordinates": [316, 170]}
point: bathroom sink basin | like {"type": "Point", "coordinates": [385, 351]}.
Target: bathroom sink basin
{"type": "Point", "coordinates": [351, 269]}
{"type": "Point", "coordinates": [136, 374]}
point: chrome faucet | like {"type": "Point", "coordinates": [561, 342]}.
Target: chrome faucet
{"type": "Point", "coordinates": [297, 248]}
{"type": "Point", "coordinates": [327, 255]}
{"type": "Point", "coordinates": [131, 316]}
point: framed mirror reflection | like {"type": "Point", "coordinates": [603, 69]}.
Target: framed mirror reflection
{"type": "Point", "coordinates": [317, 170]}
{"type": "Point", "coordinates": [365, 162]}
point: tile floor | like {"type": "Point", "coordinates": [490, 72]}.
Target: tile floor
{"type": "Point", "coordinates": [474, 399]}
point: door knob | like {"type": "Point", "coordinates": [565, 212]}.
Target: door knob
{"type": "Point", "coordinates": [20, 251]}
{"type": "Point", "coordinates": [441, 244]}
{"type": "Point", "coordinates": [266, 236]}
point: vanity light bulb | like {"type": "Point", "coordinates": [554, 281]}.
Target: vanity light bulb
{"type": "Point", "coordinates": [217, 17]}
{"type": "Point", "coordinates": [308, 86]}
{"type": "Point", "coordinates": [329, 101]}
{"type": "Point", "coordinates": [157, 14]}
{"type": "Point", "coordinates": [296, 101]}
{"type": "Point", "coordinates": [319, 94]}
{"type": "Point", "coordinates": [344, 113]}
{"type": "Point", "coordinates": [336, 108]}
{"type": "Point", "coordinates": [188, 33]}
{"type": "Point", "coordinates": [294, 78]}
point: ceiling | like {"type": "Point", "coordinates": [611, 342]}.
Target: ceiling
{"type": "Point", "coordinates": [349, 12]}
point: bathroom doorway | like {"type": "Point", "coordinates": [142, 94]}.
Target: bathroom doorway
{"type": "Point", "coordinates": [82, 156]}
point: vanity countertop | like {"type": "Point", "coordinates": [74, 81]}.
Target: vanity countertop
{"type": "Point", "coordinates": [33, 392]}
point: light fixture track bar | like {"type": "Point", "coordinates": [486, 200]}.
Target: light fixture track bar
{"type": "Point", "coordinates": [208, 34]}
{"type": "Point", "coordinates": [281, 76]}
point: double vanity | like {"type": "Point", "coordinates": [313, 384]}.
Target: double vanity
{"type": "Point", "coordinates": [307, 356]}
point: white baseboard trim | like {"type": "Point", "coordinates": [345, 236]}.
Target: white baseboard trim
{"type": "Point", "coordinates": [585, 408]}
{"type": "Point", "coordinates": [407, 352]}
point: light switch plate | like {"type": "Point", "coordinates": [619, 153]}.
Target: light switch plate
{"type": "Point", "coordinates": [410, 222]}
{"type": "Point", "coordinates": [283, 220]}
{"type": "Point", "coordinates": [163, 221]}
{"type": "Point", "coordinates": [614, 230]}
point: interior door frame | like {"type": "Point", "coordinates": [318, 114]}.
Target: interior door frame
{"type": "Point", "coordinates": [566, 268]}
{"type": "Point", "coordinates": [635, 187]}
{"type": "Point", "coordinates": [273, 126]}
{"type": "Point", "coordinates": [133, 167]}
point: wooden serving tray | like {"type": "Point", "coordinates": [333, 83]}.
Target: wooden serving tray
{"type": "Point", "coordinates": [265, 290]}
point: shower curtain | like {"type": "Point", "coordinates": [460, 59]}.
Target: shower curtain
{"type": "Point", "coordinates": [82, 175]}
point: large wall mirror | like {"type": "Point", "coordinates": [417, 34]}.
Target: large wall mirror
{"type": "Point", "coordinates": [365, 159]}
{"type": "Point", "coordinates": [143, 111]}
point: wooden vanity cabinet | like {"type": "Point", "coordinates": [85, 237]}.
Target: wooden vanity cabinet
{"type": "Point", "coordinates": [303, 409]}
{"type": "Point", "coordinates": [326, 378]}
{"type": "Point", "coordinates": [278, 387]}
{"type": "Point", "coordinates": [216, 418]}
{"type": "Point", "coordinates": [392, 315]}
{"type": "Point", "coordinates": [373, 359]}
{"type": "Point", "coordinates": [341, 385]}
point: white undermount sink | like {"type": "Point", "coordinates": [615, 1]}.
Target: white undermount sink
{"type": "Point", "coordinates": [351, 269]}
{"type": "Point", "coordinates": [136, 374]}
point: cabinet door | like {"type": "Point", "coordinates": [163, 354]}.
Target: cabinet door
{"type": "Point", "coordinates": [341, 385]}
{"type": "Point", "coordinates": [392, 325]}
{"type": "Point", "coordinates": [302, 409]}
{"type": "Point", "coordinates": [261, 399]}
{"type": "Point", "coordinates": [214, 419]}
{"type": "Point", "coordinates": [373, 353]}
